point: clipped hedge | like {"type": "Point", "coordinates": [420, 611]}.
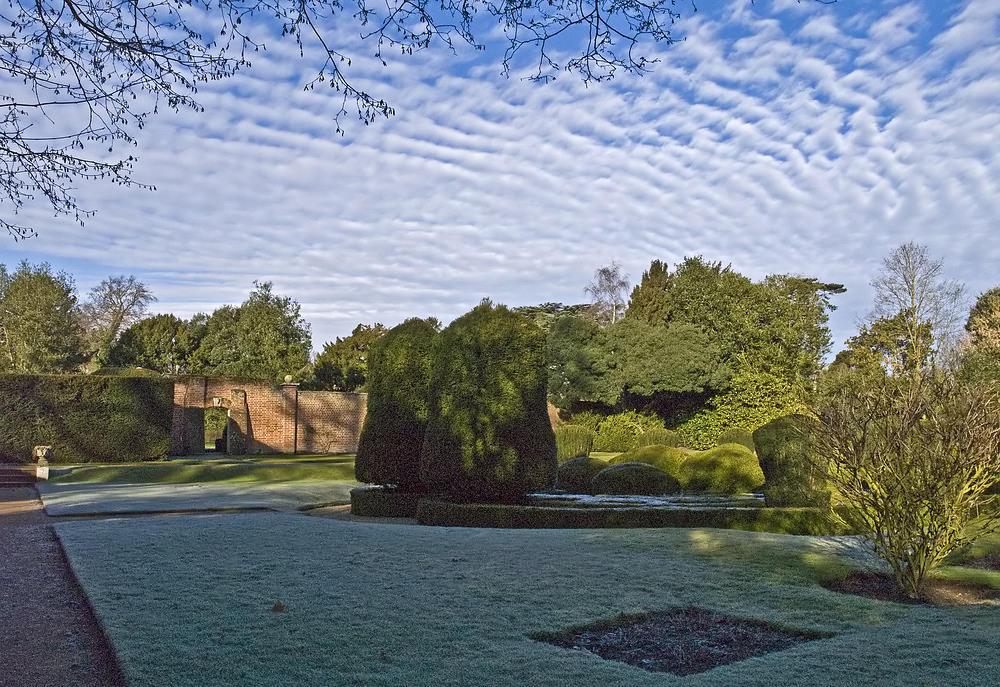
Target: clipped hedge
{"type": "Point", "coordinates": [86, 419]}
{"type": "Point", "coordinates": [737, 435]}
{"type": "Point", "coordinates": [790, 463]}
{"type": "Point", "coordinates": [634, 478]}
{"type": "Point", "coordinates": [621, 432]}
{"type": "Point", "coordinates": [382, 502]}
{"type": "Point", "coordinates": [575, 475]}
{"type": "Point", "coordinates": [808, 521]}
{"type": "Point", "coordinates": [392, 437]}
{"type": "Point", "coordinates": [725, 469]}
{"type": "Point", "coordinates": [573, 441]}
{"type": "Point", "coordinates": [660, 437]}
{"type": "Point", "coordinates": [488, 432]}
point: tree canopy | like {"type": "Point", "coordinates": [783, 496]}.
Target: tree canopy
{"type": "Point", "coordinates": [342, 365]}
{"type": "Point", "coordinates": [39, 320]}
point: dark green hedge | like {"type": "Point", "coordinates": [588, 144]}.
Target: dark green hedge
{"type": "Point", "coordinates": [399, 372]}
{"type": "Point", "coordinates": [86, 419]}
{"type": "Point", "coordinates": [383, 502]}
{"type": "Point", "coordinates": [812, 521]}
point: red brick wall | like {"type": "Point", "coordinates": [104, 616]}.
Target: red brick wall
{"type": "Point", "coordinates": [282, 419]}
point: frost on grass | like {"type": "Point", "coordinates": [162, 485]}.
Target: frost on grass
{"type": "Point", "coordinates": [682, 642]}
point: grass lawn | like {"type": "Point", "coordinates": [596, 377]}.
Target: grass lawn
{"type": "Point", "coordinates": [281, 599]}
{"type": "Point", "coordinates": [271, 468]}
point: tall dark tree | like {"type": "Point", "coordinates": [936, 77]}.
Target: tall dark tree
{"type": "Point", "coordinates": [40, 328]}
{"type": "Point", "coordinates": [164, 343]}
{"type": "Point", "coordinates": [343, 364]}
{"type": "Point", "coordinates": [263, 338]}
{"type": "Point", "coordinates": [649, 302]}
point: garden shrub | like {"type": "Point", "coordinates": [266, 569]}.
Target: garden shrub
{"type": "Point", "coordinates": [384, 502]}
{"type": "Point", "coordinates": [588, 419]}
{"type": "Point", "coordinates": [789, 462]}
{"type": "Point", "coordinates": [573, 441]}
{"type": "Point", "coordinates": [86, 419]}
{"type": "Point", "coordinates": [725, 469]}
{"type": "Point", "coordinates": [575, 474]}
{"type": "Point", "coordinates": [621, 432]}
{"type": "Point", "coordinates": [398, 378]}
{"type": "Point", "coordinates": [488, 433]}
{"type": "Point", "coordinates": [661, 437]}
{"type": "Point", "coordinates": [666, 458]}
{"type": "Point", "coordinates": [737, 435]}
{"type": "Point", "coordinates": [634, 478]}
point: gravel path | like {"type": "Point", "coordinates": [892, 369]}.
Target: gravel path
{"type": "Point", "coordinates": [48, 631]}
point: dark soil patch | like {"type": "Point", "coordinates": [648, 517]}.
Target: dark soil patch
{"type": "Point", "coordinates": [936, 592]}
{"type": "Point", "coordinates": [682, 642]}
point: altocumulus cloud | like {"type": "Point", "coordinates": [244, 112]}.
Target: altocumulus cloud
{"type": "Point", "coordinates": [783, 138]}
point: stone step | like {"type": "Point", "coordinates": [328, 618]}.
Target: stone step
{"type": "Point", "coordinates": [17, 475]}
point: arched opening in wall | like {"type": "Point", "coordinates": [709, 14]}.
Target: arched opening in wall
{"type": "Point", "coordinates": [215, 426]}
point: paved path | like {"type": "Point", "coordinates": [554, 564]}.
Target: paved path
{"type": "Point", "coordinates": [48, 633]}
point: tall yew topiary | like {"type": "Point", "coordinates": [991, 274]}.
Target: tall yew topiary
{"type": "Point", "coordinates": [399, 372]}
{"type": "Point", "coordinates": [488, 434]}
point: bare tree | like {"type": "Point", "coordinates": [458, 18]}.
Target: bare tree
{"type": "Point", "coordinates": [113, 305]}
{"type": "Point", "coordinates": [84, 75]}
{"type": "Point", "coordinates": [912, 288]}
{"type": "Point", "coordinates": [913, 460]}
{"type": "Point", "coordinates": [608, 292]}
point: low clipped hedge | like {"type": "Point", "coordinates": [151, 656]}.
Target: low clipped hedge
{"type": "Point", "coordinates": [576, 474]}
{"type": "Point", "coordinates": [634, 478]}
{"type": "Point", "coordinates": [573, 441]}
{"type": "Point", "coordinates": [725, 469]}
{"type": "Point", "coordinates": [805, 521]}
{"type": "Point", "coordinates": [737, 435]}
{"type": "Point", "coordinates": [84, 418]}
{"type": "Point", "coordinates": [660, 437]}
{"type": "Point", "coordinates": [384, 502]}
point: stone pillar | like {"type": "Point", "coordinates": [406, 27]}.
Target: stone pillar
{"type": "Point", "coordinates": [289, 417]}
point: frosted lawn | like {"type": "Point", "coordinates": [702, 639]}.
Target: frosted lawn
{"type": "Point", "coordinates": [269, 599]}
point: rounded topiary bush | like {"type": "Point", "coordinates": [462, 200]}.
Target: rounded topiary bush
{"type": "Point", "coordinates": [392, 437]}
{"type": "Point", "coordinates": [737, 435]}
{"type": "Point", "coordinates": [666, 458]}
{"type": "Point", "coordinates": [792, 469]}
{"type": "Point", "coordinates": [634, 478]}
{"type": "Point", "coordinates": [725, 469]}
{"type": "Point", "coordinates": [573, 441]}
{"type": "Point", "coordinates": [576, 474]}
{"type": "Point", "coordinates": [488, 433]}
{"type": "Point", "coordinates": [661, 437]}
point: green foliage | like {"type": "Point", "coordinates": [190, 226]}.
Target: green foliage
{"type": "Point", "coordinates": [546, 314]}
{"type": "Point", "coordinates": [896, 343]}
{"type": "Point", "coordinates": [384, 502]}
{"type": "Point", "coordinates": [666, 458]}
{"type": "Point", "coordinates": [264, 338]}
{"type": "Point", "coordinates": [576, 474]}
{"type": "Point", "coordinates": [343, 364]}
{"type": "Point", "coordinates": [650, 302]}
{"type": "Point", "coordinates": [85, 418]}
{"type": "Point", "coordinates": [737, 435]}
{"type": "Point", "coordinates": [790, 463]}
{"type": "Point", "coordinates": [983, 324]}
{"type": "Point", "coordinates": [634, 478]}
{"type": "Point", "coordinates": [621, 432]}
{"type": "Point", "coordinates": [39, 321]}
{"type": "Point", "coordinates": [753, 399]}
{"type": "Point", "coordinates": [572, 353]}
{"type": "Point", "coordinates": [808, 521]}
{"type": "Point", "coordinates": [164, 343]}
{"type": "Point", "coordinates": [116, 303]}
{"type": "Point", "coordinates": [588, 419]}
{"type": "Point", "coordinates": [661, 437]}
{"type": "Point", "coordinates": [573, 441]}
{"type": "Point", "coordinates": [488, 435]}
{"type": "Point", "coordinates": [392, 437]}
{"type": "Point", "coordinates": [643, 359]}
{"type": "Point", "coordinates": [216, 420]}
{"type": "Point", "coordinates": [914, 458]}
{"type": "Point", "coordinates": [723, 469]}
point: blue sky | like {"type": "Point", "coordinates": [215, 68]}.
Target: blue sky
{"type": "Point", "coordinates": [780, 137]}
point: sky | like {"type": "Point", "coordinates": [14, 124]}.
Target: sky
{"type": "Point", "coordinates": [780, 137]}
